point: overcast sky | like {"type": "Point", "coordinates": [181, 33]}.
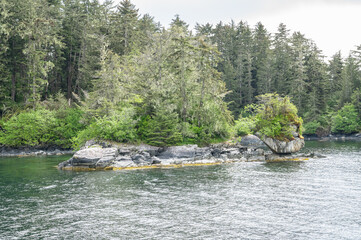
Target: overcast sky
{"type": "Point", "coordinates": [333, 24]}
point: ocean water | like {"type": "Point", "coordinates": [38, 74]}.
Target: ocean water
{"type": "Point", "coordinates": [314, 199]}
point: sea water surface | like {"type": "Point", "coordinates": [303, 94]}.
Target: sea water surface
{"type": "Point", "coordinates": [314, 199]}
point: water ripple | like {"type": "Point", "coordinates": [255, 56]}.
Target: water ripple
{"type": "Point", "coordinates": [315, 199]}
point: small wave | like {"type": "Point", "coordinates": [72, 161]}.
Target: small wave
{"type": "Point", "coordinates": [48, 187]}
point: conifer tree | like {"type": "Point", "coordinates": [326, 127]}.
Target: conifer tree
{"type": "Point", "coordinates": [350, 79]}
{"type": "Point", "coordinates": [281, 61]}
{"type": "Point", "coordinates": [244, 61]}
{"type": "Point", "coordinates": [335, 68]}
{"type": "Point", "coordinates": [261, 55]}
{"type": "Point", "coordinates": [4, 35]}
{"type": "Point", "coordinates": [317, 82]}
{"type": "Point", "coordinates": [124, 29]}
{"type": "Point", "coordinates": [298, 78]}
{"type": "Point", "coordinates": [39, 36]}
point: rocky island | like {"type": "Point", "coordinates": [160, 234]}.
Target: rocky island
{"type": "Point", "coordinates": [107, 156]}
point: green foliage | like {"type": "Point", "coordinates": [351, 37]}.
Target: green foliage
{"type": "Point", "coordinates": [29, 129]}
{"type": "Point", "coordinates": [311, 127]}
{"type": "Point", "coordinates": [69, 123]}
{"type": "Point", "coordinates": [163, 129]}
{"type": "Point", "coordinates": [192, 134]}
{"type": "Point", "coordinates": [119, 127]}
{"type": "Point", "coordinates": [346, 120]}
{"type": "Point", "coordinates": [320, 126]}
{"type": "Point", "coordinates": [108, 58]}
{"type": "Point", "coordinates": [41, 127]}
{"type": "Point", "coordinates": [244, 126]}
{"type": "Point", "coordinates": [277, 117]}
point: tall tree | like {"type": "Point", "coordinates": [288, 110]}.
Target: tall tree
{"type": "Point", "coordinates": [261, 59]}
{"type": "Point", "coordinates": [182, 63]}
{"type": "Point", "coordinates": [4, 35]}
{"type": "Point", "coordinates": [225, 37]}
{"type": "Point", "coordinates": [72, 30]}
{"type": "Point", "coordinates": [281, 60]}
{"type": "Point", "coordinates": [298, 77]}
{"type": "Point", "coordinates": [124, 29]}
{"type": "Point", "coordinates": [350, 79]}
{"type": "Point", "coordinates": [335, 68]}
{"type": "Point", "coordinates": [244, 62]}
{"type": "Point", "coordinates": [39, 36]}
{"type": "Point", "coordinates": [92, 39]}
{"type": "Point", "coordinates": [317, 82]}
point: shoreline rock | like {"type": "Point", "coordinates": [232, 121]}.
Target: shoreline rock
{"type": "Point", "coordinates": [34, 151]}
{"type": "Point", "coordinates": [128, 157]}
{"type": "Point", "coordinates": [249, 141]}
{"type": "Point", "coordinates": [284, 147]}
{"type": "Point", "coordinates": [334, 137]}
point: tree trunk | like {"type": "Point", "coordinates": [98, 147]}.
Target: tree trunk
{"type": "Point", "coordinates": [13, 85]}
{"type": "Point", "coordinates": [13, 77]}
{"type": "Point", "coordinates": [69, 81]}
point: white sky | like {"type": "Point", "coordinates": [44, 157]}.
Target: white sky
{"type": "Point", "coordinates": [334, 24]}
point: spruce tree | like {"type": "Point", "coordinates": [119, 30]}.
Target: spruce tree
{"type": "Point", "coordinates": [124, 29]}
{"type": "Point", "coordinates": [298, 77]}
{"type": "Point", "coordinates": [335, 68]}
{"type": "Point", "coordinates": [261, 55]}
{"type": "Point", "coordinates": [281, 61]}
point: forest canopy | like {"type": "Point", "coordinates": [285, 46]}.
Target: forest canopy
{"type": "Point", "coordinates": [72, 70]}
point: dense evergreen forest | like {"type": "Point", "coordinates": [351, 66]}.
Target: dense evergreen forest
{"type": "Point", "coordinates": [72, 70]}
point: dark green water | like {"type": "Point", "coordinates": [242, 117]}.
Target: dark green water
{"type": "Point", "coordinates": [315, 199]}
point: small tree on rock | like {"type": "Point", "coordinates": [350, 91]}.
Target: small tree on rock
{"type": "Point", "coordinates": [276, 117]}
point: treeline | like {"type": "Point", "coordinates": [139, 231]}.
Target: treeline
{"type": "Point", "coordinates": [255, 62]}
{"type": "Point", "coordinates": [117, 75]}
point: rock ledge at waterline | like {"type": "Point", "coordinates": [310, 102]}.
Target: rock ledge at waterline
{"type": "Point", "coordinates": [105, 156]}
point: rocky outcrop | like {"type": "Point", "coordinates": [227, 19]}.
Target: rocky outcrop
{"type": "Point", "coordinates": [251, 140]}
{"type": "Point", "coordinates": [109, 157]}
{"type": "Point", "coordinates": [284, 147]}
{"type": "Point", "coordinates": [103, 156]}
{"type": "Point", "coordinates": [33, 151]}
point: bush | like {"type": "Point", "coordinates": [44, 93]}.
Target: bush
{"type": "Point", "coordinates": [276, 117]}
{"type": "Point", "coordinates": [311, 127]}
{"type": "Point", "coordinates": [119, 127]}
{"type": "Point", "coordinates": [163, 129]}
{"type": "Point", "coordinates": [244, 126]}
{"type": "Point", "coordinates": [41, 127]}
{"type": "Point", "coordinates": [32, 128]}
{"type": "Point", "coordinates": [69, 123]}
{"type": "Point", "coordinates": [192, 134]}
{"type": "Point", "coordinates": [346, 120]}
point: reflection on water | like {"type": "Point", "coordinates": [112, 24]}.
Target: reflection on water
{"type": "Point", "coordinates": [315, 199]}
{"type": "Point", "coordinates": [288, 166]}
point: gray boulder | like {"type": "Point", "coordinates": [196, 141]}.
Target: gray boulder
{"type": "Point", "coordinates": [87, 156]}
{"type": "Point", "coordinates": [124, 164]}
{"type": "Point", "coordinates": [254, 155]}
{"type": "Point", "coordinates": [152, 150]}
{"type": "Point", "coordinates": [278, 146]}
{"type": "Point", "coordinates": [187, 151]}
{"type": "Point", "coordinates": [95, 156]}
{"type": "Point", "coordinates": [251, 141]}
{"type": "Point", "coordinates": [142, 159]}
{"type": "Point", "coordinates": [156, 160]}
{"type": "Point", "coordinates": [108, 157]}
